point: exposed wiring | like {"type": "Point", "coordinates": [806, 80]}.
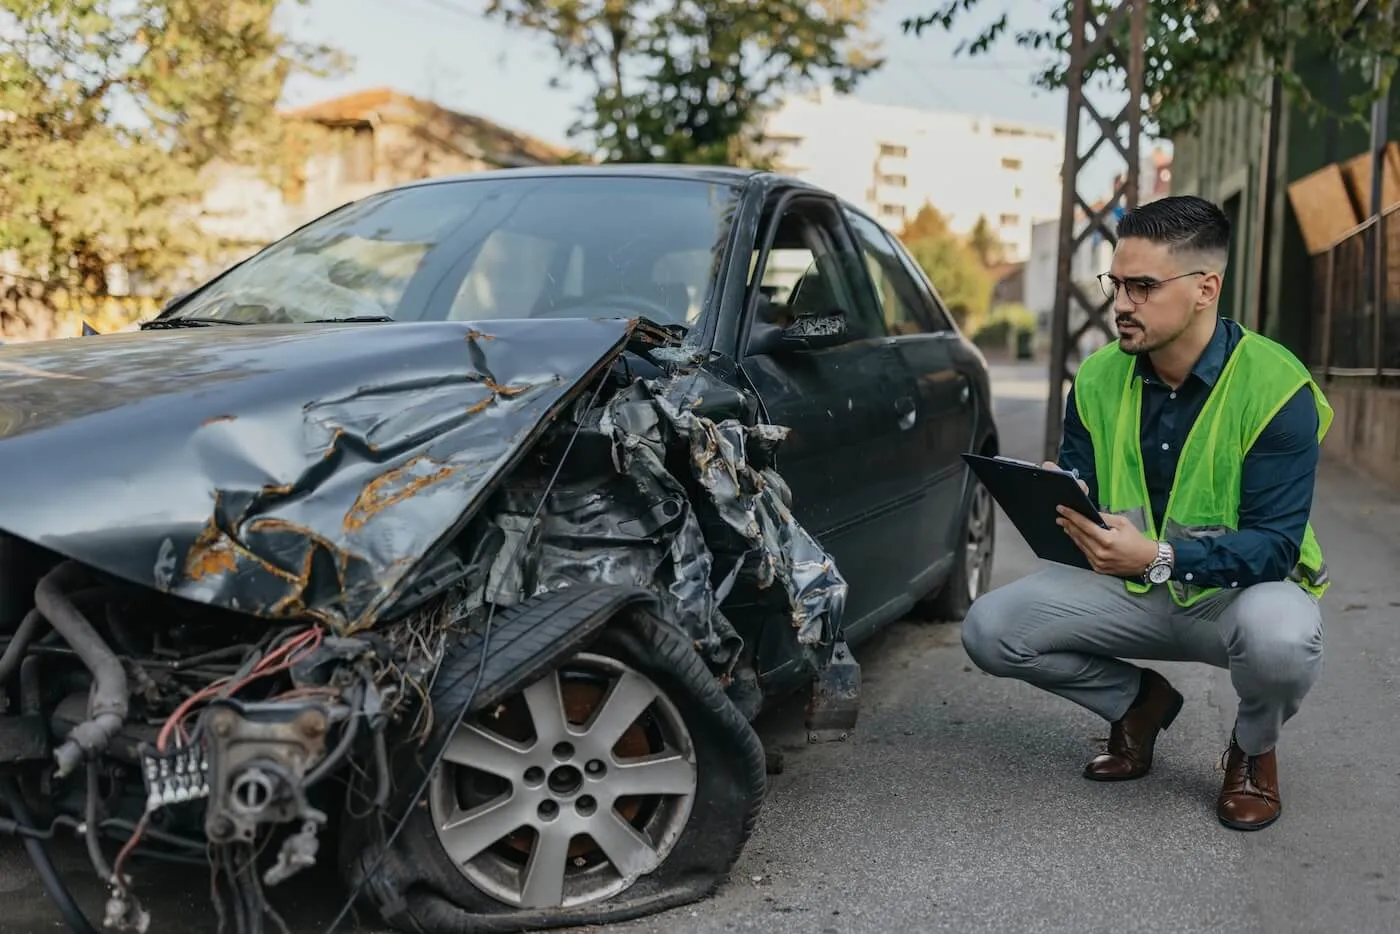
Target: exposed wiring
{"type": "Point", "coordinates": [119, 826]}
{"type": "Point", "coordinates": [275, 662]}
{"type": "Point", "coordinates": [480, 672]}
{"type": "Point", "coordinates": [281, 659]}
{"type": "Point", "coordinates": [13, 827]}
{"type": "Point", "coordinates": [348, 733]}
{"type": "Point", "coordinates": [381, 763]}
{"type": "Point", "coordinates": [135, 838]}
{"type": "Point", "coordinates": [92, 832]}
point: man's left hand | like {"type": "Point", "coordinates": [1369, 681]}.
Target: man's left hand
{"type": "Point", "coordinates": [1120, 550]}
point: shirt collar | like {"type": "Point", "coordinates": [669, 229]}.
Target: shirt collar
{"type": "Point", "coordinates": [1208, 366]}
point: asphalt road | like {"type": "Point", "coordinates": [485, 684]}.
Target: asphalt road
{"type": "Point", "coordinates": [958, 805]}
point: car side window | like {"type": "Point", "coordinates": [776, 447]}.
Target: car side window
{"type": "Point", "coordinates": [942, 321]}
{"type": "Point", "coordinates": [813, 269]}
{"type": "Point", "coordinates": [905, 311]}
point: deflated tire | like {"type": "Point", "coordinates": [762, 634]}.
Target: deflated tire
{"type": "Point", "coordinates": [619, 783]}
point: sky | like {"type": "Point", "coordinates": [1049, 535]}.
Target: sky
{"type": "Point", "coordinates": [448, 52]}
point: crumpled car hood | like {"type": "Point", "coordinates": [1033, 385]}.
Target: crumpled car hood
{"type": "Point", "coordinates": [277, 471]}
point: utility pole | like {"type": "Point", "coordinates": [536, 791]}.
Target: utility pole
{"type": "Point", "coordinates": [1380, 112]}
{"type": "Point", "coordinates": [1086, 48]}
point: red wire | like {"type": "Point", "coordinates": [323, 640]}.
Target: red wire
{"type": "Point", "coordinates": [127, 848]}
{"type": "Point", "coordinates": [303, 644]}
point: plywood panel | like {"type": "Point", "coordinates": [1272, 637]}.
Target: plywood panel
{"type": "Point", "coordinates": [1323, 207]}
{"type": "Point", "coordinates": [1358, 176]}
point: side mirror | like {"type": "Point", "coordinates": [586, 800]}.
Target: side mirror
{"type": "Point", "coordinates": [809, 332]}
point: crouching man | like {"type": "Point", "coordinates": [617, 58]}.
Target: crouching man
{"type": "Point", "coordinates": [1199, 440]}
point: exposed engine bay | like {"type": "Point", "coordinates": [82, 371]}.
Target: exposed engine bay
{"type": "Point", "coordinates": [160, 725]}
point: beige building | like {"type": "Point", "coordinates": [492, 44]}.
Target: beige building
{"type": "Point", "coordinates": [348, 147]}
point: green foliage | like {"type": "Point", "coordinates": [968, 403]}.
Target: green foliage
{"type": "Point", "coordinates": [1198, 52]}
{"type": "Point", "coordinates": [952, 265]}
{"type": "Point", "coordinates": [1003, 324]}
{"type": "Point", "coordinates": [986, 244]}
{"type": "Point", "coordinates": [1013, 315]}
{"type": "Point", "coordinates": [110, 109]}
{"type": "Point", "coordinates": [689, 80]}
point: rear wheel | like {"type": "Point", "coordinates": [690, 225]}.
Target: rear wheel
{"type": "Point", "coordinates": [972, 564]}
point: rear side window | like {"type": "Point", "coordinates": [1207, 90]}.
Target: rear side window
{"type": "Point", "coordinates": [905, 308]}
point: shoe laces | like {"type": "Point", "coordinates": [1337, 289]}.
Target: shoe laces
{"type": "Point", "coordinates": [1249, 767]}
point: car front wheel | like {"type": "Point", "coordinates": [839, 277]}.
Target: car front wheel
{"type": "Point", "coordinates": [570, 791]}
{"type": "Point", "coordinates": [620, 783]}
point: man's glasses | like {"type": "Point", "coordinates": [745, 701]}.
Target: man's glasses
{"type": "Point", "coordinates": [1139, 290]}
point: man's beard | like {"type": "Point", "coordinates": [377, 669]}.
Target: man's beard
{"type": "Point", "coordinates": [1137, 334]}
{"type": "Point", "coordinates": [1145, 344]}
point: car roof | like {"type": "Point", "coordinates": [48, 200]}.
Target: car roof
{"type": "Point", "coordinates": [706, 173]}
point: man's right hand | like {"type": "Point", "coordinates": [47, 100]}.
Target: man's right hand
{"type": "Point", "coordinates": [1051, 465]}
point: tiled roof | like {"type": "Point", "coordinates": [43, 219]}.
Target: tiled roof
{"type": "Point", "coordinates": [495, 143]}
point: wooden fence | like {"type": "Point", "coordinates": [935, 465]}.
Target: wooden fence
{"type": "Point", "coordinates": [1355, 335]}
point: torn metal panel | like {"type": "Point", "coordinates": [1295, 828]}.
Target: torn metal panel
{"type": "Point", "coordinates": [278, 471]}
{"type": "Point", "coordinates": [734, 463]}
{"type": "Point", "coordinates": [637, 523]}
{"type": "Point", "coordinates": [625, 522]}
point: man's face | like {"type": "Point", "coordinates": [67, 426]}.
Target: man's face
{"type": "Point", "coordinates": [1159, 294]}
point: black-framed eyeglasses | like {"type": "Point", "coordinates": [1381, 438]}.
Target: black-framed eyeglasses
{"type": "Point", "coordinates": [1139, 290]}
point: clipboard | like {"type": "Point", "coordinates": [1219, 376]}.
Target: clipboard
{"type": "Point", "coordinates": [1028, 494]}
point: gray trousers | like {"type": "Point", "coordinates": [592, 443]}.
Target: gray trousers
{"type": "Point", "coordinates": [1066, 630]}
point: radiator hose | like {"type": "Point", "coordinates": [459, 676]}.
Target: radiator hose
{"type": "Point", "coordinates": [107, 708]}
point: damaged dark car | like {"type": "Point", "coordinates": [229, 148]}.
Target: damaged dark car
{"type": "Point", "coordinates": [457, 539]}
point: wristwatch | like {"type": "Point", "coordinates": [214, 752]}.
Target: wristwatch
{"type": "Point", "coordinates": [1160, 570]}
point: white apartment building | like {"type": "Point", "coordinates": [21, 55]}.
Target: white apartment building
{"type": "Point", "coordinates": [892, 160]}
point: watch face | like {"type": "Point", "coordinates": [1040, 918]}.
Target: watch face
{"type": "Point", "coordinates": [1159, 574]}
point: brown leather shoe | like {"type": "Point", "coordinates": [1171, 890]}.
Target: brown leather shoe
{"type": "Point", "coordinates": [1249, 798]}
{"type": "Point", "coordinates": [1131, 739]}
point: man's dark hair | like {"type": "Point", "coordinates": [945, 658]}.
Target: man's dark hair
{"type": "Point", "coordinates": [1184, 223]}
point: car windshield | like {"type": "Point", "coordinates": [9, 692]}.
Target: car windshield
{"type": "Point", "coordinates": [490, 248]}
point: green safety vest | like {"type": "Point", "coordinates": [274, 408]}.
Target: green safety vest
{"type": "Point", "coordinates": [1259, 377]}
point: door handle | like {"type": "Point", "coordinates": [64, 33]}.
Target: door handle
{"type": "Point", "coordinates": [964, 393]}
{"type": "Point", "coordinates": [908, 412]}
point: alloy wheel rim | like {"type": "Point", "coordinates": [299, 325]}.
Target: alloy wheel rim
{"type": "Point", "coordinates": [568, 792]}
{"type": "Point", "coordinates": [979, 537]}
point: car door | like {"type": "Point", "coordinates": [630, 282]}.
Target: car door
{"type": "Point", "coordinates": [963, 419]}
{"type": "Point", "coordinates": [923, 341]}
{"type": "Point", "coordinates": [854, 456]}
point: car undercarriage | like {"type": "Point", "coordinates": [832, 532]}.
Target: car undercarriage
{"type": "Point", "coordinates": [532, 712]}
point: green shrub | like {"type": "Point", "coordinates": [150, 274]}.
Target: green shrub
{"type": "Point", "coordinates": [1002, 324]}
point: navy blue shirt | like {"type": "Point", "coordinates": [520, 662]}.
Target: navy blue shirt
{"type": "Point", "coordinates": [1276, 488]}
